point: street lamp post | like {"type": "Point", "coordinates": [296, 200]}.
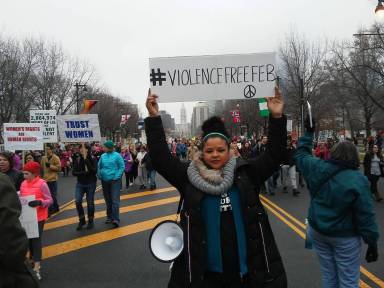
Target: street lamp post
{"type": "Point", "coordinates": [78, 85]}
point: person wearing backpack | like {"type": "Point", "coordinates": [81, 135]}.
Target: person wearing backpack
{"type": "Point", "coordinates": [341, 210]}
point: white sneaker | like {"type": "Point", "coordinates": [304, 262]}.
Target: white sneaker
{"type": "Point", "coordinates": [38, 275]}
{"type": "Point", "coordinates": [37, 269]}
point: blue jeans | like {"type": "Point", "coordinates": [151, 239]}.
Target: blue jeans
{"type": "Point", "coordinates": [111, 192]}
{"type": "Point", "coordinates": [53, 189]}
{"type": "Point", "coordinates": [339, 259]}
{"type": "Point", "coordinates": [89, 191]}
{"type": "Point", "coordinates": [152, 178]}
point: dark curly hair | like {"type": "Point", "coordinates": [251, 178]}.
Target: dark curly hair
{"type": "Point", "coordinates": [214, 127]}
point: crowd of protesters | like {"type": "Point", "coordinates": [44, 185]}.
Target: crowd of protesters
{"type": "Point", "coordinates": [110, 163]}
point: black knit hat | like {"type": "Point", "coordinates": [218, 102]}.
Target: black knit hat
{"type": "Point", "coordinates": [214, 127]}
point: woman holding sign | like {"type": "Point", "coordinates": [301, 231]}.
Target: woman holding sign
{"type": "Point", "coordinates": [228, 241]}
{"type": "Point", "coordinates": [33, 185]}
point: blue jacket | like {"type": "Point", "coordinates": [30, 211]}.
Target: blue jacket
{"type": "Point", "coordinates": [110, 167]}
{"type": "Point", "coordinates": [342, 206]}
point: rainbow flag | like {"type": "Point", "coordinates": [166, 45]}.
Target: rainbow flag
{"type": "Point", "coordinates": [88, 104]}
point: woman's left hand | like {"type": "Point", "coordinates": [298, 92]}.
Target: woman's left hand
{"type": "Point", "coordinates": [276, 104]}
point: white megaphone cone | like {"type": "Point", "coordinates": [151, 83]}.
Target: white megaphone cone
{"type": "Point", "coordinates": [166, 241]}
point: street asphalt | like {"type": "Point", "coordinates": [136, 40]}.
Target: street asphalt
{"type": "Point", "coordinates": [106, 257]}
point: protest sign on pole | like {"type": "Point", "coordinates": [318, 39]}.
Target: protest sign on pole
{"type": "Point", "coordinates": [48, 119]}
{"type": "Point", "coordinates": [28, 217]}
{"type": "Point", "coordinates": [194, 78]}
{"type": "Point", "coordinates": [23, 136]}
{"type": "Point", "coordinates": [79, 128]}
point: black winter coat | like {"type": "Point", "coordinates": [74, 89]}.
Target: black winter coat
{"type": "Point", "coordinates": [13, 240]}
{"type": "Point", "coordinates": [264, 262]}
{"type": "Point", "coordinates": [85, 176]}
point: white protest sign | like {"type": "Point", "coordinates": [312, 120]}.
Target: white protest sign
{"type": "Point", "coordinates": [28, 217]}
{"type": "Point", "coordinates": [48, 119]}
{"type": "Point", "coordinates": [324, 135]}
{"type": "Point", "coordinates": [23, 136]}
{"type": "Point", "coordinates": [194, 78]}
{"type": "Point", "coordinates": [79, 128]}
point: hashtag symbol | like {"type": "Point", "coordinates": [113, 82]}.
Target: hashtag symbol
{"type": "Point", "coordinates": [157, 77]}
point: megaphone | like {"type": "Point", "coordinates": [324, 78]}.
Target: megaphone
{"type": "Point", "coordinates": [166, 241]}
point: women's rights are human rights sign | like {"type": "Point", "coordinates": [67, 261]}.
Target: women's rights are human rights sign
{"type": "Point", "coordinates": [194, 78]}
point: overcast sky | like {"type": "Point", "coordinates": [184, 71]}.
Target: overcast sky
{"type": "Point", "coordinates": [118, 36]}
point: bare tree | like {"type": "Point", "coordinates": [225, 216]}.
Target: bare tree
{"type": "Point", "coordinates": [351, 72]}
{"type": "Point", "coordinates": [55, 76]}
{"type": "Point", "coordinates": [302, 60]}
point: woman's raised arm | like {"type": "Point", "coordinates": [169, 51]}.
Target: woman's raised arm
{"type": "Point", "coordinates": [171, 168]}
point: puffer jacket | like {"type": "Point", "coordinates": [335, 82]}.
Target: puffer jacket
{"type": "Point", "coordinates": [110, 167]}
{"type": "Point", "coordinates": [264, 263]}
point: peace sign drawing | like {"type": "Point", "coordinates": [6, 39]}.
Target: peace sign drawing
{"type": "Point", "coordinates": [249, 91]}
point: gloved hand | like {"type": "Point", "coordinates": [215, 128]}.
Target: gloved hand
{"type": "Point", "coordinates": [47, 164]}
{"type": "Point", "coordinates": [35, 203]}
{"type": "Point", "coordinates": [307, 125]}
{"type": "Point", "coordinates": [372, 254]}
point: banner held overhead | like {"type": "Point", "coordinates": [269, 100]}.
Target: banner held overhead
{"type": "Point", "coordinates": [79, 128]}
{"type": "Point", "coordinates": [195, 78]}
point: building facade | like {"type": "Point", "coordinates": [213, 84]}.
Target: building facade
{"type": "Point", "coordinates": [199, 115]}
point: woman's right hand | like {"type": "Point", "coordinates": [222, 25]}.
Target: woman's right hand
{"type": "Point", "coordinates": [152, 105]}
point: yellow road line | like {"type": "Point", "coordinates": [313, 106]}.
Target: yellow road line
{"type": "Point", "coordinates": [101, 214]}
{"type": "Point", "coordinates": [101, 237]}
{"type": "Point", "coordinates": [302, 225]}
{"type": "Point", "coordinates": [362, 284]}
{"type": "Point", "coordinates": [70, 203]}
{"type": "Point", "coordinates": [363, 270]}
{"type": "Point", "coordinates": [130, 196]}
{"type": "Point", "coordinates": [282, 218]}
{"type": "Point", "coordinates": [374, 278]}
